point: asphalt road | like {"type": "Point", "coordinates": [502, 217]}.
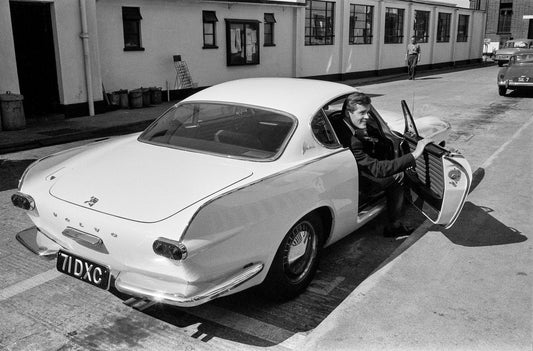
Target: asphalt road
{"type": "Point", "coordinates": [465, 288]}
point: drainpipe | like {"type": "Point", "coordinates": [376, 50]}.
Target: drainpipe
{"type": "Point", "coordinates": [84, 35]}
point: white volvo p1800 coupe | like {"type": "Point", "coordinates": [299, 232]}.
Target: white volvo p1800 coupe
{"type": "Point", "coordinates": [239, 185]}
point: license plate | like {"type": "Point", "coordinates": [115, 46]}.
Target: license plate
{"type": "Point", "coordinates": [83, 269]}
{"type": "Point", "coordinates": [523, 79]}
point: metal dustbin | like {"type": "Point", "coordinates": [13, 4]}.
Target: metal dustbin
{"type": "Point", "coordinates": [155, 95]}
{"type": "Point", "coordinates": [146, 96]}
{"type": "Point", "coordinates": [123, 100]}
{"type": "Point", "coordinates": [136, 98]}
{"type": "Point", "coordinates": [12, 111]}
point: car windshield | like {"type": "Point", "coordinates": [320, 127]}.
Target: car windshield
{"type": "Point", "coordinates": [525, 58]}
{"type": "Point", "coordinates": [222, 129]}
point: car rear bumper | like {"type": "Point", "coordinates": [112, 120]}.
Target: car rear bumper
{"type": "Point", "coordinates": [155, 288]}
{"type": "Point", "coordinates": [509, 84]}
{"type": "Point", "coordinates": [161, 290]}
{"type": "Point", "coordinates": [38, 243]}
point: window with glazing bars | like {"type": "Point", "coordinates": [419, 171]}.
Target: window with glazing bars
{"type": "Point", "coordinates": [393, 25]}
{"type": "Point", "coordinates": [504, 18]}
{"type": "Point", "coordinates": [269, 29]}
{"type": "Point", "coordinates": [443, 27]}
{"type": "Point", "coordinates": [462, 28]}
{"type": "Point", "coordinates": [361, 17]}
{"type": "Point", "coordinates": [421, 26]}
{"type": "Point", "coordinates": [209, 19]}
{"type": "Point", "coordinates": [319, 22]}
{"type": "Point", "coordinates": [131, 23]}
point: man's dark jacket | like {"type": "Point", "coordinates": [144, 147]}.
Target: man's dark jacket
{"type": "Point", "coordinates": [370, 161]}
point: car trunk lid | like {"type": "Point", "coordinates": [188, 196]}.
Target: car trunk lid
{"type": "Point", "coordinates": [143, 182]}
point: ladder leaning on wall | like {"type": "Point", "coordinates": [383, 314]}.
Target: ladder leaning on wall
{"type": "Point", "coordinates": [183, 76]}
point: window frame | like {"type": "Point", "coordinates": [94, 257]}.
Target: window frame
{"type": "Point", "coordinates": [505, 14]}
{"type": "Point", "coordinates": [232, 59]}
{"type": "Point", "coordinates": [423, 25]}
{"type": "Point", "coordinates": [312, 36]}
{"type": "Point", "coordinates": [389, 36]}
{"type": "Point", "coordinates": [131, 19]}
{"type": "Point", "coordinates": [462, 35]}
{"type": "Point", "coordinates": [209, 18]}
{"type": "Point", "coordinates": [268, 36]}
{"type": "Point", "coordinates": [368, 22]}
{"type": "Point", "coordinates": [321, 114]}
{"type": "Point", "coordinates": [444, 26]}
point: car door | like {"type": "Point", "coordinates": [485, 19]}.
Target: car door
{"type": "Point", "coordinates": [441, 179]}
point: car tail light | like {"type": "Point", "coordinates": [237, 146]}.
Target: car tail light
{"type": "Point", "coordinates": [171, 249]}
{"type": "Point", "coordinates": [23, 201]}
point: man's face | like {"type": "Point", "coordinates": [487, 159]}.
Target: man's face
{"type": "Point", "coordinates": [413, 40]}
{"type": "Point", "coordinates": [359, 116]}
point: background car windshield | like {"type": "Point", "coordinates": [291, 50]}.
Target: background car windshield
{"type": "Point", "coordinates": [524, 58]}
{"type": "Point", "coordinates": [224, 129]}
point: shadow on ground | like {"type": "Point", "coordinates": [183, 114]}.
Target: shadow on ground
{"type": "Point", "coordinates": [343, 266]}
{"type": "Point", "coordinates": [11, 171]}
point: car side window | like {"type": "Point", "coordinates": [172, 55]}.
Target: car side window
{"type": "Point", "coordinates": [323, 131]}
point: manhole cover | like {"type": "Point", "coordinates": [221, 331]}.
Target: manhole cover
{"type": "Point", "coordinates": [58, 131]}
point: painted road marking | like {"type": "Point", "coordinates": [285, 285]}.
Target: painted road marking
{"type": "Point", "coordinates": [29, 283]}
{"type": "Point", "coordinates": [492, 157]}
{"type": "Point", "coordinates": [283, 339]}
{"type": "Point", "coordinates": [323, 287]}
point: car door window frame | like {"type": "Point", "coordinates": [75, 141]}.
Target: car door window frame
{"type": "Point", "coordinates": [328, 129]}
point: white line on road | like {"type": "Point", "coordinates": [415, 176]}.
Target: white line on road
{"type": "Point", "coordinates": [29, 283]}
{"type": "Point", "coordinates": [492, 157]}
{"type": "Point", "coordinates": [283, 339]}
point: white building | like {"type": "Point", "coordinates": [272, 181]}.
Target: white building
{"type": "Point", "coordinates": [131, 43]}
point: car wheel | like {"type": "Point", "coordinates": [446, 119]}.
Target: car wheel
{"type": "Point", "coordinates": [296, 260]}
{"type": "Point", "coordinates": [502, 90]}
{"type": "Point", "coordinates": [500, 63]}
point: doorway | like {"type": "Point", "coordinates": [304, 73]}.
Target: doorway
{"type": "Point", "coordinates": [530, 31]}
{"type": "Point", "coordinates": [35, 56]}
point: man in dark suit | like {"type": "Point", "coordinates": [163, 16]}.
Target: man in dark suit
{"type": "Point", "coordinates": [376, 170]}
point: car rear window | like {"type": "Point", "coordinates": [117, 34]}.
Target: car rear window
{"type": "Point", "coordinates": [222, 129]}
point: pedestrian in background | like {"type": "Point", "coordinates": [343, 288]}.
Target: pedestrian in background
{"type": "Point", "coordinates": [412, 57]}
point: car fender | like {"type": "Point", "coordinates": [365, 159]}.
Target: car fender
{"type": "Point", "coordinates": [248, 224]}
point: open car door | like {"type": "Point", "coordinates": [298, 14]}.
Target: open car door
{"type": "Point", "coordinates": [441, 179]}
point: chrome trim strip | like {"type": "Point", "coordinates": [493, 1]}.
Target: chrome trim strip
{"type": "Point", "coordinates": [256, 182]}
{"type": "Point", "coordinates": [38, 243]}
{"type": "Point", "coordinates": [180, 300]}
{"type": "Point", "coordinates": [78, 235]}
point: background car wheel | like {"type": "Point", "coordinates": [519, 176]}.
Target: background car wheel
{"type": "Point", "coordinates": [296, 260]}
{"type": "Point", "coordinates": [502, 90]}
{"type": "Point", "coordinates": [500, 63]}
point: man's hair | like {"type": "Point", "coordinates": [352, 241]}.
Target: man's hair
{"type": "Point", "coordinates": [356, 98]}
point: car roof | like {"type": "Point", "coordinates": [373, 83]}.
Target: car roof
{"type": "Point", "coordinates": [299, 97]}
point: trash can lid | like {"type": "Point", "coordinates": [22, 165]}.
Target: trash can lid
{"type": "Point", "coordinates": [11, 97]}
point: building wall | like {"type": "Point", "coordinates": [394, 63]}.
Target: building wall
{"type": "Point", "coordinates": [66, 19]}
{"type": "Point", "coordinates": [172, 27]}
{"type": "Point", "coordinates": [519, 26]}
{"type": "Point", "coordinates": [8, 68]}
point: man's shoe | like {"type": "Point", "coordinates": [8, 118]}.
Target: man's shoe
{"type": "Point", "coordinates": [394, 232]}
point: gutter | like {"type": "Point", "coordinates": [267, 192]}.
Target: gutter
{"type": "Point", "coordinates": [84, 35]}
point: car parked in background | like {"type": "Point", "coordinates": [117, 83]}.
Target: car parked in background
{"type": "Point", "coordinates": [511, 47]}
{"type": "Point", "coordinates": [518, 74]}
{"type": "Point", "coordinates": [240, 184]}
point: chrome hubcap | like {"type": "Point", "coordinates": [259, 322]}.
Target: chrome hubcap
{"type": "Point", "coordinates": [300, 251]}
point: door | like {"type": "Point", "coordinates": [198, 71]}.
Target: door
{"type": "Point", "coordinates": [441, 179]}
{"type": "Point", "coordinates": [35, 55]}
